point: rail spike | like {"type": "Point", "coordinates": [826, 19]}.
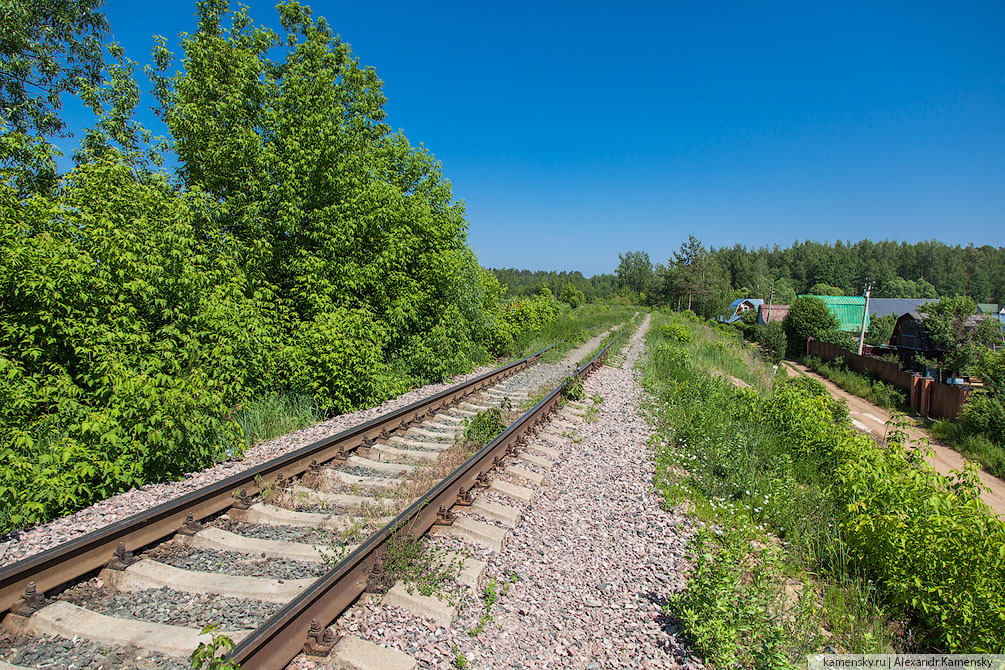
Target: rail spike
{"type": "Point", "coordinates": [121, 559]}
{"type": "Point", "coordinates": [464, 497]}
{"type": "Point", "coordinates": [191, 526]}
{"type": "Point", "coordinates": [320, 640]}
{"type": "Point", "coordinates": [32, 601]}
{"type": "Point", "coordinates": [242, 500]}
{"type": "Point", "coordinates": [444, 517]}
{"type": "Point", "coordinates": [375, 580]}
{"type": "Point", "coordinates": [482, 481]}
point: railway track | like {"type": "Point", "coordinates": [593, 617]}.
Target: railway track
{"type": "Point", "coordinates": [276, 553]}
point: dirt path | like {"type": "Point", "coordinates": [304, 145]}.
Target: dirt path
{"type": "Point", "coordinates": [872, 419]}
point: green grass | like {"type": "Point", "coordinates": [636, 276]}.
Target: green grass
{"type": "Point", "coordinates": [276, 414]}
{"type": "Point", "coordinates": [976, 446]}
{"type": "Point", "coordinates": [572, 328]}
{"type": "Point", "coordinates": [760, 578]}
{"type": "Point", "coordinates": [719, 349]}
{"type": "Point", "coordinates": [875, 391]}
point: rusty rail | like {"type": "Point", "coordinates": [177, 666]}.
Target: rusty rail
{"type": "Point", "coordinates": [74, 559]}
{"type": "Point", "coordinates": [280, 639]}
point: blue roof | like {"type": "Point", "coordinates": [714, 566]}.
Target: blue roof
{"type": "Point", "coordinates": [732, 316]}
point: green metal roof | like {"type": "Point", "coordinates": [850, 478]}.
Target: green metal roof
{"type": "Point", "coordinates": [988, 308]}
{"type": "Point", "coordinates": [847, 310]}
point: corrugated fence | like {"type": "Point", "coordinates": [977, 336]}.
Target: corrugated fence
{"type": "Point", "coordinates": [928, 397]}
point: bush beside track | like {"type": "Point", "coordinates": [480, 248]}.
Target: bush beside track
{"type": "Point", "coordinates": [824, 537]}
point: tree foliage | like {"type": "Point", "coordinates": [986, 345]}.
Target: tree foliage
{"type": "Point", "coordinates": [598, 288]}
{"type": "Point", "coordinates": [692, 280]}
{"type": "Point", "coordinates": [571, 296]}
{"type": "Point", "coordinates": [880, 329]}
{"type": "Point", "coordinates": [635, 271]}
{"type": "Point", "coordinates": [951, 325]}
{"type": "Point", "coordinates": [46, 48]}
{"type": "Point", "coordinates": [304, 249]}
{"type": "Point", "coordinates": [807, 317]}
{"type": "Point", "coordinates": [897, 269]}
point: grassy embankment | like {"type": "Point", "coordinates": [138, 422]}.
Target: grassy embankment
{"type": "Point", "coordinates": [572, 328]}
{"type": "Point", "coordinates": [814, 536]}
{"type": "Point", "coordinates": [274, 415]}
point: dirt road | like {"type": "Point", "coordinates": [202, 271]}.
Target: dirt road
{"type": "Point", "coordinates": [872, 419]}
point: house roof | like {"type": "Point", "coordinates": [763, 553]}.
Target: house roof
{"type": "Point", "coordinates": [894, 306]}
{"type": "Point", "coordinates": [736, 303]}
{"type": "Point", "coordinates": [988, 307]}
{"type": "Point", "coordinates": [766, 314]}
{"type": "Point", "coordinates": [732, 316]}
{"type": "Point", "coordinates": [848, 310]}
{"type": "Point", "coordinates": [974, 319]}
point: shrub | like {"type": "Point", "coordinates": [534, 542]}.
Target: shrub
{"type": "Point", "coordinates": [676, 332]}
{"type": "Point", "coordinates": [772, 339]}
{"type": "Point", "coordinates": [934, 542]}
{"type": "Point", "coordinates": [484, 426]}
{"type": "Point", "coordinates": [807, 317]}
{"type": "Point", "coordinates": [838, 337]}
{"type": "Point", "coordinates": [571, 296]}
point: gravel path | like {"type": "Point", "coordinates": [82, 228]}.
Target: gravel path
{"type": "Point", "coordinates": [589, 567]}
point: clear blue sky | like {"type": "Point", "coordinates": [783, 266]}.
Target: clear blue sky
{"type": "Point", "coordinates": [605, 127]}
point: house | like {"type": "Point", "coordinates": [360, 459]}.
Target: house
{"type": "Point", "coordinates": [768, 313]}
{"type": "Point", "coordinates": [911, 338]}
{"type": "Point", "coordinates": [909, 334]}
{"type": "Point", "coordinates": [739, 306]}
{"type": "Point", "coordinates": [848, 310]}
{"type": "Point", "coordinates": [989, 308]}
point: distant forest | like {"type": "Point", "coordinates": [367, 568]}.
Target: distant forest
{"type": "Point", "coordinates": [897, 269]}
{"type": "Point", "coordinates": [713, 277]}
{"type": "Point", "coordinates": [525, 282]}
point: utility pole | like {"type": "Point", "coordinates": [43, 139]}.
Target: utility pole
{"type": "Point", "coordinates": [771, 299]}
{"type": "Point", "coordinates": [865, 316]}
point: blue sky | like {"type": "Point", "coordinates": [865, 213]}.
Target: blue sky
{"type": "Point", "coordinates": [597, 128]}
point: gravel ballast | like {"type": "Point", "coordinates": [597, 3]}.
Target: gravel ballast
{"type": "Point", "coordinates": [232, 563]}
{"type": "Point", "coordinates": [60, 653]}
{"type": "Point", "coordinates": [589, 568]}
{"type": "Point", "coordinates": [193, 610]}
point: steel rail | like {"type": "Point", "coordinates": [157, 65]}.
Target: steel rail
{"type": "Point", "coordinates": [281, 638]}
{"type": "Point", "coordinates": [71, 560]}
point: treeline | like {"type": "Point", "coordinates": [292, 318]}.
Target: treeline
{"type": "Point", "coordinates": [707, 280]}
{"type": "Point", "coordinates": [897, 269]}
{"type": "Point", "coordinates": [597, 288]}
{"type": "Point", "coordinates": [302, 249]}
